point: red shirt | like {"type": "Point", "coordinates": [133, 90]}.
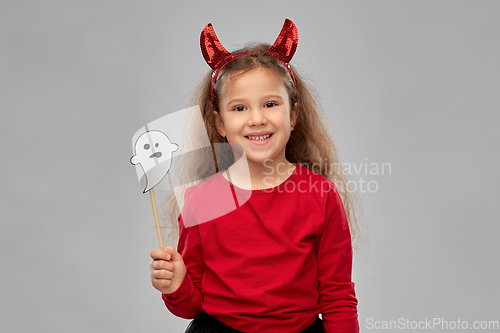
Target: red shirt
{"type": "Point", "coordinates": [271, 261]}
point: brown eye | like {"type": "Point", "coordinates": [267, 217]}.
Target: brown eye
{"type": "Point", "coordinates": [239, 108]}
{"type": "Point", "coordinates": [270, 104]}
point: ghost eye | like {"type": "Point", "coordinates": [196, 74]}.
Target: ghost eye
{"type": "Point", "coordinates": [147, 146]}
{"type": "Point", "coordinates": [157, 144]}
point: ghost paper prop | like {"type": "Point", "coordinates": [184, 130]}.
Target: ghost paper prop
{"type": "Point", "coordinates": [154, 152]}
{"type": "Point", "coordinates": [167, 155]}
{"type": "Point", "coordinates": [161, 143]}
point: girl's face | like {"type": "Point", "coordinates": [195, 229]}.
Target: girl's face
{"type": "Point", "coordinates": [255, 113]}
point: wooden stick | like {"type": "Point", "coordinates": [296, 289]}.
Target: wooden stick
{"type": "Point", "coordinates": [158, 231]}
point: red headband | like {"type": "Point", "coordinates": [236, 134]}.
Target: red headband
{"type": "Point", "coordinates": [217, 56]}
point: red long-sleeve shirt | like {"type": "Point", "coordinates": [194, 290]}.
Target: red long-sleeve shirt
{"type": "Point", "coordinates": [271, 261]}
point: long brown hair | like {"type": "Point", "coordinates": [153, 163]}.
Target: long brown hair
{"type": "Point", "coordinates": [310, 143]}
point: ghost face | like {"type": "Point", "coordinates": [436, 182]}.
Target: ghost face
{"type": "Point", "coordinates": [153, 151]}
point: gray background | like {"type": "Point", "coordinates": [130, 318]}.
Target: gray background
{"type": "Point", "coordinates": [410, 83]}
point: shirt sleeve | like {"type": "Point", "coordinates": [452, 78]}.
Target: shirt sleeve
{"type": "Point", "coordinates": [334, 258]}
{"type": "Point", "coordinates": [186, 301]}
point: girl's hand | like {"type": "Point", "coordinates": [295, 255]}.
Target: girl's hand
{"type": "Point", "coordinates": [167, 270]}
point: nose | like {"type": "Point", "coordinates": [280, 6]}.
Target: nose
{"type": "Point", "coordinates": [256, 117]}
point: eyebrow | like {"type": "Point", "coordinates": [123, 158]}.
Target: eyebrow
{"type": "Point", "coordinates": [265, 97]}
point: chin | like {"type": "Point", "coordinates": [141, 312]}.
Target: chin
{"type": "Point", "coordinates": [260, 160]}
{"type": "Point", "coordinates": [255, 159]}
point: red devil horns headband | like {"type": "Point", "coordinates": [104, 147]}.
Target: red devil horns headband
{"type": "Point", "coordinates": [217, 56]}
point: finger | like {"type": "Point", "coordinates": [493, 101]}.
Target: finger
{"type": "Point", "coordinates": [175, 256]}
{"type": "Point", "coordinates": [157, 254]}
{"type": "Point", "coordinates": [163, 283]}
{"type": "Point", "coordinates": [162, 264]}
{"type": "Point", "coordinates": [163, 274]}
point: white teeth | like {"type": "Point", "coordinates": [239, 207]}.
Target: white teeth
{"type": "Point", "coordinates": [259, 138]}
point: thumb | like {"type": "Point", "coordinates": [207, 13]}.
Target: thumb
{"type": "Point", "coordinates": [174, 255]}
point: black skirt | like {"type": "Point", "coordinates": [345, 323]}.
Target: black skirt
{"type": "Point", "coordinates": [205, 323]}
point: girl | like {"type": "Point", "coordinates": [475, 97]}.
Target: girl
{"type": "Point", "coordinates": [270, 252]}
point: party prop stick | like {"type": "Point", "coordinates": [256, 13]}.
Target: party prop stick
{"type": "Point", "coordinates": [154, 151]}
{"type": "Point", "coordinates": [157, 221]}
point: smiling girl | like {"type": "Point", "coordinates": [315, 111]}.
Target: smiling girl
{"type": "Point", "coordinates": [283, 255]}
{"type": "Point", "coordinates": [257, 114]}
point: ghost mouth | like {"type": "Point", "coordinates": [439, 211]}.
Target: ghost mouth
{"type": "Point", "coordinates": [157, 155]}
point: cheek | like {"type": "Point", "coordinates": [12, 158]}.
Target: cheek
{"type": "Point", "coordinates": [284, 118]}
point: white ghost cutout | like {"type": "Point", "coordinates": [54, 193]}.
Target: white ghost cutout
{"type": "Point", "coordinates": [154, 152]}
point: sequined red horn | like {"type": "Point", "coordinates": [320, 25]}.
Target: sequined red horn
{"type": "Point", "coordinates": [285, 45]}
{"type": "Point", "coordinates": [217, 56]}
{"type": "Point", "coordinates": [214, 53]}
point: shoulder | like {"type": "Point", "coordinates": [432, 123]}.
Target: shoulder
{"type": "Point", "coordinates": [210, 197]}
{"type": "Point", "coordinates": [204, 187]}
{"type": "Point", "coordinates": [203, 201]}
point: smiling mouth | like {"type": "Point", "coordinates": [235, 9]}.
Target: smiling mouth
{"type": "Point", "coordinates": [260, 137]}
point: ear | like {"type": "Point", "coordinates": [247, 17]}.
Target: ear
{"type": "Point", "coordinates": [219, 124]}
{"type": "Point", "coordinates": [294, 114]}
